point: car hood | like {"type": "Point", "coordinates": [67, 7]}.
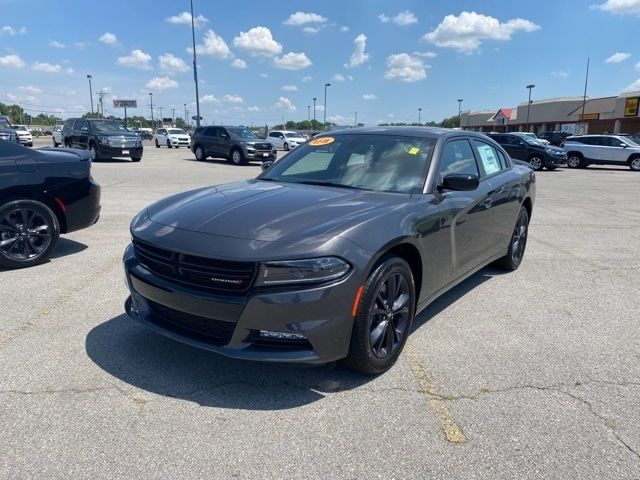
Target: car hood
{"type": "Point", "coordinates": [273, 211]}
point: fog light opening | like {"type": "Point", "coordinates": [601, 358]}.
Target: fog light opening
{"type": "Point", "coordinates": [280, 335]}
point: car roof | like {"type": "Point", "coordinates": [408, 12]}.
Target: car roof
{"type": "Point", "coordinates": [427, 132]}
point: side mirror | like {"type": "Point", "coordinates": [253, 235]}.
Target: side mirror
{"type": "Point", "coordinates": [266, 165]}
{"type": "Point", "coordinates": [459, 182]}
{"type": "Point", "coordinates": [226, 136]}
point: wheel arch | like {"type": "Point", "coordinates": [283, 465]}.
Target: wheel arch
{"type": "Point", "coordinates": [22, 193]}
{"type": "Point", "coordinates": [528, 205]}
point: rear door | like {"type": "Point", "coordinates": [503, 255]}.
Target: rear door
{"type": "Point", "coordinates": [81, 134]}
{"type": "Point", "coordinates": [207, 140]}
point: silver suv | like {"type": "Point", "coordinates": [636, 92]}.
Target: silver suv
{"type": "Point", "coordinates": [585, 150]}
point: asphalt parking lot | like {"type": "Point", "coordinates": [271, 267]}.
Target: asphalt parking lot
{"type": "Point", "coordinates": [530, 374]}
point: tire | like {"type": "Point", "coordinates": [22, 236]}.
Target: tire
{"type": "Point", "coordinates": [517, 243]}
{"type": "Point", "coordinates": [30, 144]}
{"type": "Point", "coordinates": [550, 167]}
{"type": "Point", "coordinates": [199, 153]}
{"type": "Point", "coordinates": [536, 162]}
{"type": "Point", "coordinates": [55, 145]}
{"type": "Point", "coordinates": [29, 231]}
{"type": "Point", "coordinates": [93, 152]}
{"type": "Point", "coordinates": [136, 159]}
{"type": "Point", "coordinates": [157, 144]}
{"type": "Point", "coordinates": [237, 157]}
{"type": "Point", "coordinates": [168, 144]}
{"type": "Point", "coordinates": [379, 334]}
{"type": "Point", "coordinates": [634, 164]}
{"type": "Point", "coordinates": [575, 160]}
{"type": "Point", "coordinates": [286, 147]}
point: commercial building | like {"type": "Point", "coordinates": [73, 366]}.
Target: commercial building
{"type": "Point", "coordinates": [571, 114]}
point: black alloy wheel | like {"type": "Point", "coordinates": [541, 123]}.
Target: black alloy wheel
{"type": "Point", "coordinates": [384, 317]}
{"type": "Point", "coordinates": [29, 231]}
{"type": "Point", "coordinates": [286, 146]}
{"type": "Point", "coordinates": [518, 242]}
{"type": "Point", "coordinates": [536, 162]}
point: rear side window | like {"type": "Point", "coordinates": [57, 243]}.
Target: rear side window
{"type": "Point", "coordinates": [457, 157]}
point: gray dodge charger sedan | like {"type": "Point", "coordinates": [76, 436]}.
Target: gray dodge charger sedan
{"type": "Point", "coordinates": [331, 251]}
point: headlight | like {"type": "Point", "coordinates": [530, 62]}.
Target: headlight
{"type": "Point", "coordinates": [301, 271]}
{"type": "Point", "coordinates": [103, 139]}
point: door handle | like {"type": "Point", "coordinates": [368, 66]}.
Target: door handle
{"type": "Point", "coordinates": [487, 202]}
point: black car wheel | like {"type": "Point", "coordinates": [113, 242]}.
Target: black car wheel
{"type": "Point", "coordinates": [536, 162]}
{"type": "Point", "coordinates": [168, 144]}
{"type": "Point", "coordinates": [574, 161]}
{"type": "Point", "coordinates": [136, 159]}
{"type": "Point", "coordinates": [157, 144]}
{"type": "Point", "coordinates": [93, 152]}
{"type": "Point", "coordinates": [29, 231]}
{"type": "Point", "coordinates": [634, 164]}
{"type": "Point", "coordinates": [199, 153]}
{"type": "Point", "coordinates": [518, 242]}
{"type": "Point", "coordinates": [237, 158]}
{"type": "Point", "coordinates": [286, 147]}
{"type": "Point", "coordinates": [383, 318]}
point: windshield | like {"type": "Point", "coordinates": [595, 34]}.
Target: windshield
{"type": "Point", "coordinates": [106, 126]}
{"type": "Point", "coordinates": [530, 139]}
{"type": "Point", "coordinates": [241, 133]}
{"type": "Point", "coordinates": [176, 131]}
{"type": "Point", "coordinates": [385, 163]}
{"type": "Point", "coordinates": [20, 127]}
{"type": "Point", "coordinates": [4, 123]}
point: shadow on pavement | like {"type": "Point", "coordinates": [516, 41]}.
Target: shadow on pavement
{"type": "Point", "coordinates": [67, 247]}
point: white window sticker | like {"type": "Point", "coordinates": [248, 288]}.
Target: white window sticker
{"type": "Point", "coordinates": [489, 160]}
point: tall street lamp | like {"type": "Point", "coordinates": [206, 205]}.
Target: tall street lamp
{"type": "Point", "coordinates": [419, 115]}
{"type": "Point", "coordinates": [460, 100]}
{"type": "Point", "coordinates": [195, 67]}
{"type": "Point", "coordinates": [186, 122]}
{"type": "Point", "coordinates": [531, 86]}
{"type": "Point", "coordinates": [314, 111]}
{"type": "Point", "coordinates": [308, 112]}
{"type": "Point", "coordinates": [90, 93]}
{"type": "Point", "coordinates": [324, 122]}
{"type": "Point", "coordinates": [151, 98]}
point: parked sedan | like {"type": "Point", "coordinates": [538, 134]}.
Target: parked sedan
{"type": "Point", "coordinates": [333, 249]}
{"type": "Point", "coordinates": [172, 138]}
{"type": "Point", "coordinates": [43, 193]}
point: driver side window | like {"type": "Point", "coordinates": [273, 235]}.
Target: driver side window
{"type": "Point", "coordinates": [457, 157]}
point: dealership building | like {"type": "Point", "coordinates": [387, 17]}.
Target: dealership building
{"type": "Point", "coordinates": [571, 114]}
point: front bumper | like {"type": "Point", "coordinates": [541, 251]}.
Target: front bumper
{"type": "Point", "coordinates": [82, 204]}
{"type": "Point", "coordinates": [228, 324]}
{"type": "Point", "coordinates": [262, 155]}
{"type": "Point", "coordinates": [556, 160]}
{"type": "Point", "coordinates": [25, 140]}
{"type": "Point", "coordinates": [180, 143]}
{"type": "Point", "coordinates": [107, 151]}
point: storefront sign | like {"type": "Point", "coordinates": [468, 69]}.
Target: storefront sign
{"type": "Point", "coordinates": [590, 116]}
{"type": "Point", "coordinates": [631, 107]}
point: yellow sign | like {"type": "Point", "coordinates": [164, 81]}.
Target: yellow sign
{"type": "Point", "coordinates": [631, 107]}
{"type": "Point", "coordinates": [321, 141]}
{"type": "Point", "coordinates": [590, 116]}
{"type": "Point", "coordinates": [414, 150]}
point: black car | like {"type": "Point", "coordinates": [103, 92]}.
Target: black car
{"type": "Point", "coordinates": [331, 251]}
{"type": "Point", "coordinates": [528, 149]}
{"type": "Point", "coordinates": [554, 138]}
{"type": "Point", "coordinates": [237, 144]}
{"type": "Point", "coordinates": [7, 132]}
{"type": "Point", "coordinates": [104, 139]}
{"type": "Point", "coordinates": [43, 193]}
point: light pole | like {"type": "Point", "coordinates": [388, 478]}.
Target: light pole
{"type": "Point", "coordinates": [90, 93]}
{"type": "Point", "coordinates": [324, 120]}
{"type": "Point", "coordinates": [531, 86]}
{"type": "Point", "coordinates": [419, 115]}
{"type": "Point", "coordinates": [186, 122]}
{"type": "Point", "coordinates": [151, 98]}
{"type": "Point", "coordinates": [460, 100]}
{"type": "Point", "coordinates": [308, 113]}
{"type": "Point", "coordinates": [314, 111]}
{"type": "Point", "coordinates": [195, 67]}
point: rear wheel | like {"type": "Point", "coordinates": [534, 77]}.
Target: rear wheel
{"type": "Point", "coordinates": [575, 161]}
{"type": "Point", "coordinates": [237, 157]}
{"type": "Point", "coordinates": [29, 231]}
{"type": "Point", "coordinates": [518, 243]}
{"type": "Point", "coordinates": [383, 318]}
{"type": "Point", "coordinates": [634, 164]}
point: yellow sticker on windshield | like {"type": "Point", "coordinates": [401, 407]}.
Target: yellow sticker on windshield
{"type": "Point", "coordinates": [414, 150]}
{"type": "Point", "coordinates": [316, 142]}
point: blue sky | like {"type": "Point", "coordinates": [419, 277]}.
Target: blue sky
{"type": "Point", "coordinates": [262, 61]}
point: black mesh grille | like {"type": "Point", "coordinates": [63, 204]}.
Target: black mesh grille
{"type": "Point", "coordinates": [212, 331]}
{"type": "Point", "coordinates": [199, 272]}
{"type": "Point", "coordinates": [263, 146]}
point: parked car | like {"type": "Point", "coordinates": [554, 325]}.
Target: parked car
{"type": "Point", "coordinates": [57, 136]}
{"type": "Point", "coordinates": [24, 135]}
{"type": "Point", "coordinates": [237, 144]}
{"type": "Point", "coordinates": [103, 138]}
{"type": "Point", "coordinates": [584, 150]}
{"type": "Point", "coordinates": [43, 193]}
{"type": "Point", "coordinates": [529, 150]}
{"type": "Point", "coordinates": [554, 138]}
{"type": "Point", "coordinates": [172, 138]}
{"type": "Point", "coordinates": [331, 251]}
{"type": "Point", "coordinates": [533, 136]}
{"type": "Point", "coordinates": [145, 133]}
{"type": "Point", "coordinates": [6, 131]}
{"type": "Point", "coordinates": [285, 139]}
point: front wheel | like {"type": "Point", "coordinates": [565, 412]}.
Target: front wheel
{"type": "Point", "coordinates": [157, 144]}
{"type": "Point", "coordinates": [286, 147]}
{"type": "Point", "coordinates": [574, 161]}
{"type": "Point", "coordinates": [136, 159]}
{"type": "Point", "coordinates": [168, 144]}
{"type": "Point", "coordinates": [237, 157]}
{"type": "Point", "coordinates": [383, 318]}
{"type": "Point", "coordinates": [518, 242]}
{"type": "Point", "coordinates": [634, 164]}
{"type": "Point", "coordinates": [29, 231]}
{"type": "Point", "coordinates": [536, 163]}
{"type": "Point", "coordinates": [199, 153]}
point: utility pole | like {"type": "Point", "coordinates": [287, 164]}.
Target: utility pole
{"type": "Point", "coordinates": [186, 120]}
{"type": "Point", "coordinates": [355, 122]}
{"type": "Point", "coordinates": [195, 67]}
{"type": "Point", "coordinates": [314, 111]}
{"type": "Point", "coordinates": [584, 98]}
{"type": "Point", "coordinates": [101, 94]}
{"type": "Point", "coordinates": [151, 97]}
{"type": "Point", "coordinates": [529, 104]}
{"type": "Point", "coordinates": [308, 113]}
{"type": "Point", "coordinates": [90, 93]}
{"type": "Point", "coordinates": [161, 117]}
{"type": "Point", "coordinates": [460, 100]}
{"type": "Point", "coordinates": [173, 117]}
{"type": "Point", "coordinates": [324, 121]}
{"type": "Point", "coordinates": [419, 115]}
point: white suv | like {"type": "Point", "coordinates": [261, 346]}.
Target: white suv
{"type": "Point", "coordinates": [24, 135]}
{"type": "Point", "coordinates": [285, 139]}
{"type": "Point", "coordinates": [172, 138]}
{"type": "Point", "coordinates": [584, 150]}
{"type": "Point", "coordinates": [57, 135]}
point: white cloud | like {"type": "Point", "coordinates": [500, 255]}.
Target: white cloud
{"type": "Point", "coordinates": [235, 99]}
{"type": "Point", "coordinates": [306, 79]}
{"type": "Point", "coordinates": [11, 61]}
{"type": "Point", "coordinates": [405, 18]}
{"type": "Point", "coordinates": [184, 18]}
{"type": "Point", "coordinates": [258, 42]}
{"type": "Point", "coordinates": [425, 54]}
{"type": "Point", "coordinates": [7, 30]}
{"type": "Point", "coordinates": [23, 30]}
{"type": "Point", "coordinates": [264, 75]}
{"type": "Point", "coordinates": [637, 66]}
{"type": "Point", "coordinates": [338, 77]}
{"type": "Point", "coordinates": [254, 108]}
{"type": "Point", "coordinates": [308, 29]}
{"type": "Point", "coordinates": [161, 83]}
{"type": "Point", "coordinates": [56, 44]}
{"type": "Point", "coordinates": [405, 68]}
{"type": "Point", "coordinates": [383, 18]}
{"type": "Point", "coordinates": [239, 63]}
{"type": "Point", "coordinates": [620, 7]}
{"type": "Point", "coordinates": [344, 29]}
{"type": "Point", "coordinates": [213, 45]}
{"type": "Point", "coordinates": [69, 71]}
{"type": "Point", "coordinates": [46, 67]}
{"type": "Point", "coordinates": [289, 88]}
{"type": "Point", "coordinates": [169, 63]}
{"type": "Point", "coordinates": [80, 44]}
{"type": "Point", "coordinates": [369, 96]}
{"type": "Point", "coordinates": [359, 56]}
{"type": "Point", "coordinates": [336, 119]}
{"type": "Point", "coordinates": [301, 18]}
{"type": "Point", "coordinates": [30, 89]}
{"type": "Point", "coordinates": [284, 103]}
{"type": "Point", "coordinates": [466, 32]}
{"type": "Point", "coordinates": [292, 61]}
{"type": "Point", "coordinates": [617, 57]}
{"type": "Point", "coordinates": [108, 38]}
{"type": "Point", "coordinates": [137, 59]}
{"type": "Point", "coordinates": [560, 74]}
{"type": "Point", "coordinates": [634, 87]}
{"type": "Point", "coordinates": [209, 99]}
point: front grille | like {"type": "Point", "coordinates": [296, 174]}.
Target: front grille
{"type": "Point", "coordinates": [216, 332]}
{"type": "Point", "coordinates": [263, 146]}
{"type": "Point", "coordinates": [123, 142]}
{"type": "Point", "coordinates": [207, 274]}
